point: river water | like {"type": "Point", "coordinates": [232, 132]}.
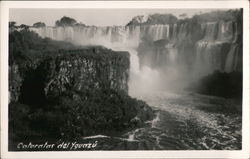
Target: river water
{"type": "Point", "coordinates": [184, 121]}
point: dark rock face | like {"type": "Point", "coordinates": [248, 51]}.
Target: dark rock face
{"type": "Point", "coordinates": [76, 70]}
{"type": "Point", "coordinates": [81, 73]}
{"type": "Point", "coordinates": [228, 85]}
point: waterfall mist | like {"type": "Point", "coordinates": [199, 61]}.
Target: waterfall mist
{"type": "Point", "coordinates": [142, 79]}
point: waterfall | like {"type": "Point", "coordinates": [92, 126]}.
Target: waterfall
{"type": "Point", "coordinates": [172, 53]}
{"type": "Point", "coordinates": [217, 49]}
{"type": "Point", "coordinates": [211, 31]}
{"type": "Point", "coordinates": [118, 38]}
{"type": "Point", "coordinates": [232, 58]}
{"type": "Point", "coordinates": [208, 57]}
{"type": "Point", "coordinates": [189, 49]}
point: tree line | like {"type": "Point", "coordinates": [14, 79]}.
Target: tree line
{"type": "Point", "coordinates": [63, 22]}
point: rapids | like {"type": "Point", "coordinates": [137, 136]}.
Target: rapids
{"type": "Point", "coordinates": [184, 121]}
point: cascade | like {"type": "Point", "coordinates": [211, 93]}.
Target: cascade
{"type": "Point", "coordinates": [211, 31]}
{"type": "Point", "coordinates": [214, 47]}
{"type": "Point", "coordinates": [232, 58]}
{"type": "Point", "coordinates": [217, 50]}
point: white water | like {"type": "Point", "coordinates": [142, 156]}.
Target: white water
{"type": "Point", "coordinates": [183, 121]}
{"type": "Point", "coordinates": [116, 38]}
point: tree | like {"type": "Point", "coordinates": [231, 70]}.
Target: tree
{"type": "Point", "coordinates": [12, 25]}
{"type": "Point", "coordinates": [65, 21]}
{"type": "Point", "coordinates": [39, 24]}
{"type": "Point", "coordinates": [23, 26]}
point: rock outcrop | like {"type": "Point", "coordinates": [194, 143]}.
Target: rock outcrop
{"type": "Point", "coordinates": [227, 85]}
{"type": "Point", "coordinates": [78, 70]}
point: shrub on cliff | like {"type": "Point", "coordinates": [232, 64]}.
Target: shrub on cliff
{"type": "Point", "coordinates": [96, 112]}
{"type": "Point", "coordinates": [93, 112]}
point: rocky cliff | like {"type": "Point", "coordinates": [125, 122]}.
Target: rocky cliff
{"type": "Point", "coordinates": [78, 70]}
{"type": "Point", "coordinates": [68, 92]}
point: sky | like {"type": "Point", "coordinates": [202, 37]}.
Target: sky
{"type": "Point", "coordinates": [97, 17]}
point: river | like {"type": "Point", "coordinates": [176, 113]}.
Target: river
{"type": "Point", "coordinates": [184, 121]}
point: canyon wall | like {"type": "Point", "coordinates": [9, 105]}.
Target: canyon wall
{"type": "Point", "coordinates": [78, 70]}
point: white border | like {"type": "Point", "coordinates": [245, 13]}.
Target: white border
{"type": "Point", "coordinates": [244, 153]}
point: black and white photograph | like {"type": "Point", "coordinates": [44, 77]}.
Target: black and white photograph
{"type": "Point", "coordinates": [125, 79]}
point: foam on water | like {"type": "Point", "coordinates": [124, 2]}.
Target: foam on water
{"type": "Point", "coordinates": [96, 136]}
{"type": "Point", "coordinates": [156, 120]}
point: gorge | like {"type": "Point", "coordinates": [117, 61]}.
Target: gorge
{"type": "Point", "coordinates": [158, 83]}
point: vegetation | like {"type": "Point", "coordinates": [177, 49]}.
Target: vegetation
{"type": "Point", "coordinates": [12, 25]}
{"type": "Point", "coordinates": [39, 24]}
{"type": "Point", "coordinates": [106, 111]}
{"type": "Point", "coordinates": [80, 24]}
{"type": "Point", "coordinates": [154, 19]}
{"type": "Point", "coordinates": [26, 46]}
{"type": "Point", "coordinates": [161, 19]}
{"type": "Point", "coordinates": [24, 26]}
{"type": "Point", "coordinates": [65, 21]}
{"type": "Point", "coordinates": [229, 15]}
{"type": "Point", "coordinates": [218, 15]}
